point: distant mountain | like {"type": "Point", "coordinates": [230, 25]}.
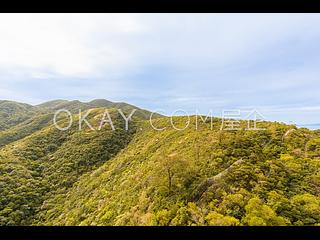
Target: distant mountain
{"type": "Point", "coordinates": [13, 113]}
{"type": "Point", "coordinates": [75, 105]}
{"type": "Point", "coordinates": [199, 176]}
{"type": "Point", "coordinates": [52, 104]}
{"type": "Point", "coordinates": [18, 120]}
{"type": "Point", "coordinates": [100, 103]}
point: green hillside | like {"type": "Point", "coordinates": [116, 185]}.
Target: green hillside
{"type": "Point", "coordinates": [25, 128]}
{"type": "Point", "coordinates": [75, 105]}
{"type": "Point", "coordinates": [18, 120]}
{"type": "Point", "coordinates": [13, 113]}
{"type": "Point", "coordinates": [204, 177]}
{"type": "Point", "coordinates": [142, 176]}
{"type": "Point", "coordinates": [49, 161]}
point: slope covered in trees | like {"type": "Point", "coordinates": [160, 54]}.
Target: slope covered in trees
{"type": "Point", "coordinates": [18, 120]}
{"type": "Point", "coordinates": [37, 159]}
{"type": "Point", "coordinates": [13, 113]}
{"type": "Point", "coordinates": [198, 176]}
{"type": "Point", "coordinates": [50, 161]}
{"type": "Point", "coordinates": [245, 177]}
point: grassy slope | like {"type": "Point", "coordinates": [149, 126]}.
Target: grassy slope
{"type": "Point", "coordinates": [156, 178]}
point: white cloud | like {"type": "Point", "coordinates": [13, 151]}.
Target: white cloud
{"type": "Point", "coordinates": [63, 44]}
{"type": "Point", "coordinates": [80, 45]}
{"type": "Point", "coordinates": [208, 60]}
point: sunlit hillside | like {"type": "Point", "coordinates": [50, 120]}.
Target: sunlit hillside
{"type": "Point", "coordinates": [201, 175]}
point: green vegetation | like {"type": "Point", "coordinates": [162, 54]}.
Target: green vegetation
{"type": "Point", "coordinates": [155, 180]}
{"type": "Point", "coordinates": [49, 161]}
{"type": "Point", "coordinates": [13, 113]}
{"type": "Point", "coordinates": [142, 176]}
{"type": "Point", "coordinates": [25, 128]}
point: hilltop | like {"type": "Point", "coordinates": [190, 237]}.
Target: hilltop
{"type": "Point", "coordinates": [18, 120]}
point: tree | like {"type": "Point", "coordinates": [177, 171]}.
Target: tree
{"type": "Point", "coordinates": [217, 219]}
{"type": "Point", "coordinates": [259, 214]}
{"type": "Point", "coordinates": [175, 169]}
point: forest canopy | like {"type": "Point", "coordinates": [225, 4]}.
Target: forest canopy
{"type": "Point", "coordinates": [202, 175]}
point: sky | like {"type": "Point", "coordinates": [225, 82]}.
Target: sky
{"type": "Point", "coordinates": [194, 62]}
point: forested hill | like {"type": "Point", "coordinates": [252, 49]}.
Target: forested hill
{"type": "Point", "coordinates": [198, 176]}
{"type": "Point", "coordinates": [13, 113]}
{"type": "Point", "coordinates": [18, 120]}
{"type": "Point", "coordinates": [204, 177]}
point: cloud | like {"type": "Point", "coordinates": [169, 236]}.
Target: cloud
{"type": "Point", "coordinates": [166, 61]}
{"type": "Point", "coordinates": [63, 44]}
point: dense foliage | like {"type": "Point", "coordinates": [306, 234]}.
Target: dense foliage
{"type": "Point", "coordinates": [142, 176]}
{"type": "Point", "coordinates": [156, 180]}
{"type": "Point", "coordinates": [12, 113]}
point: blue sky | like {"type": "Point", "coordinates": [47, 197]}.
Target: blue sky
{"type": "Point", "coordinates": [268, 62]}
